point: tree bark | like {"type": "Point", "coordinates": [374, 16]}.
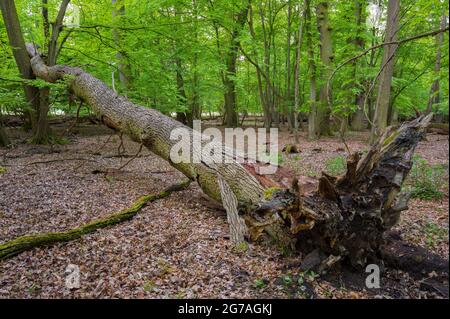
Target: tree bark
{"type": "Point", "coordinates": [182, 98]}
{"type": "Point", "coordinates": [296, 107]}
{"type": "Point", "coordinates": [387, 69]}
{"type": "Point", "coordinates": [124, 68]}
{"type": "Point", "coordinates": [312, 118]}
{"type": "Point", "coordinates": [4, 139]}
{"type": "Point", "coordinates": [434, 91]}
{"type": "Point", "coordinates": [326, 56]}
{"type": "Point", "coordinates": [287, 98]}
{"type": "Point", "coordinates": [357, 119]}
{"type": "Point", "coordinates": [17, 44]}
{"type": "Point", "coordinates": [229, 78]}
{"type": "Point", "coordinates": [346, 217]}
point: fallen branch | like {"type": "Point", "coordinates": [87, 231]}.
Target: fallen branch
{"type": "Point", "coordinates": [27, 242]}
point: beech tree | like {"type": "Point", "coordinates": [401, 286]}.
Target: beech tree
{"type": "Point", "coordinates": [38, 98]}
{"type": "Point", "coordinates": [387, 69]}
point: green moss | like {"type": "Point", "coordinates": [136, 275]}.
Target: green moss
{"type": "Point", "coordinates": [49, 140]}
{"type": "Point", "coordinates": [389, 139]}
{"type": "Point", "coordinates": [241, 247]}
{"type": "Point", "coordinates": [336, 165]}
{"type": "Point", "coordinates": [149, 286]}
{"type": "Point", "coordinates": [268, 192]}
{"type": "Point", "coordinates": [2, 170]}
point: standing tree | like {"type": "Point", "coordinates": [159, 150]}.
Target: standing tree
{"type": "Point", "coordinates": [434, 92]}
{"type": "Point", "coordinates": [313, 112]}
{"type": "Point", "coordinates": [17, 44]}
{"type": "Point", "coordinates": [380, 120]}
{"type": "Point", "coordinates": [38, 98]}
{"type": "Point", "coordinates": [123, 68]}
{"type": "Point", "coordinates": [300, 33]}
{"type": "Point", "coordinates": [229, 77]}
{"type": "Point", "coordinates": [326, 57]}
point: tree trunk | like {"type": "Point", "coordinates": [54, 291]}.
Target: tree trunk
{"type": "Point", "coordinates": [4, 139]}
{"type": "Point", "coordinates": [312, 118]}
{"type": "Point", "coordinates": [346, 217]}
{"type": "Point", "coordinates": [434, 91]}
{"type": "Point", "coordinates": [182, 98]}
{"type": "Point", "coordinates": [17, 44]}
{"type": "Point", "coordinates": [297, 75]}
{"type": "Point", "coordinates": [358, 118]}
{"type": "Point", "coordinates": [387, 69]}
{"type": "Point", "coordinates": [289, 109]}
{"type": "Point", "coordinates": [260, 73]}
{"type": "Point", "coordinates": [194, 112]}
{"type": "Point", "coordinates": [231, 117]}
{"type": "Point", "coordinates": [123, 68]}
{"type": "Point", "coordinates": [326, 56]}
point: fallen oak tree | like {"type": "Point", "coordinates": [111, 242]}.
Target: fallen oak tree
{"type": "Point", "coordinates": [345, 218]}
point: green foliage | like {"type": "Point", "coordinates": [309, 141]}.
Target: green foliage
{"type": "Point", "coordinates": [260, 283]}
{"type": "Point", "coordinates": [336, 165]}
{"type": "Point", "coordinates": [154, 35]}
{"type": "Point", "coordinates": [434, 233]}
{"type": "Point", "coordinates": [52, 139]}
{"type": "Point", "coordinates": [268, 192]}
{"type": "Point", "coordinates": [149, 286]}
{"type": "Point", "coordinates": [2, 170]}
{"type": "Point", "coordinates": [425, 181]}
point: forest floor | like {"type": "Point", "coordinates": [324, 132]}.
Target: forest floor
{"type": "Point", "coordinates": [177, 247]}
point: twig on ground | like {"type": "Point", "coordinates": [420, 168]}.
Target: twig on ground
{"type": "Point", "coordinates": [129, 161]}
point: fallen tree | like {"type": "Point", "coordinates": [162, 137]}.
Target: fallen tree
{"type": "Point", "coordinates": [345, 218]}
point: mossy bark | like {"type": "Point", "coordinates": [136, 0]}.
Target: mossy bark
{"type": "Point", "coordinates": [27, 242]}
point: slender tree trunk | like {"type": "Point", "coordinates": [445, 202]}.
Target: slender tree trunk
{"type": "Point", "coordinates": [124, 69]}
{"type": "Point", "coordinates": [289, 109]}
{"type": "Point", "coordinates": [357, 119]}
{"type": "Point", "coordinates": [4, 139]}
{"type": "Point", "coordinates": [182, 98]}
{"type": "Point", "coordinates": [269, 92]}
{"type": "Point", "coordinates": [19, 51]}
{"type": "Point", "coordinates": [387, 69]}
{"type": "Point", "coordinates": [297, 75]}
{"type": "Point", "coordinates": [434, 91]}
{"type": "Point", "coordinates": [259, 75]}
{"type": "Point", "coordinates": [231, 117]}
{"type": "Point", "coordinates": [312, 118]}
{"type": "Point", "coordinates": [326, 56]}
{"type": "Point", "coordinates": [195, 111]}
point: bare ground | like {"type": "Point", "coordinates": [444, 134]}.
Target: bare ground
{"type": "Point", "coordinates": [177, 247]}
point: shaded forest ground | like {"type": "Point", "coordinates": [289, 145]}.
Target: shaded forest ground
{"type": "Point", "coordinates": [177, 247]}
